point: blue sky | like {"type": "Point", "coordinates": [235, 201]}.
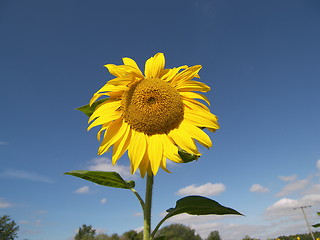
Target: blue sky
{"type": "Point", "coordinates": [261, 59]}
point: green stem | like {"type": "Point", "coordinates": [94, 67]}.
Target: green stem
{"type": "Point", "coordinates": [147, 208]}
{"type": "Point", "coordinates": [158, 226]}
{"type": "Point", "coordinates": [138, 196]}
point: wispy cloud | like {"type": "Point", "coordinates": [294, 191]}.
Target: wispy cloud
{"type": "Point", "coordinates": [138, 214]}
{"type": "Point", "coordinates": [208, 189]}
{"type": "Point", "coordinates": [3, 143]}
{"type": "Point", "coordinates": [82, 190]}
{"type": "Point", "coordinates": [293, 187]}
{"type": "Point", "coordinates": [20, 174]}
{"type": "Point", "coordinates": [103, 200]}
{"type": "Point", "coordinates": [318, 164]}
{"type": "Point", "coordinates": [288, 178]}
{"type": "Point", "coordinates": [5, 204]}
{"type": "Point", "coordinates": [258, 188]}
{"type": "Point", "coordinates": [104, 164]}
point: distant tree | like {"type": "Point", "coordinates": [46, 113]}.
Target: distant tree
{"type": "Point", "coordinates": [85, 233]}
{"type": "Point", "coordinates": [249, 238]}
{"type": "Point", "coordinates": [178, 232]}
{"type": "Point", "coordinates": [140, 235]}
{"type": "Point", "coordinates": [131, 235]}
{"type": "Point", "coordinates": [115, 237]}
{"type": "Point", "coordinates": [214, 235]}
{"type": "Point", "coordinates": [102, 236]}
{"type": "Point", "coordinates": [8, 228]}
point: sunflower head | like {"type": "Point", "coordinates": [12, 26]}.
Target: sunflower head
{"type": "Point", "coordinates": [152, 115]}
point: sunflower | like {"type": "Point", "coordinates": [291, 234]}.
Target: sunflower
{"type": "Point", "coordinates": [153, 114]}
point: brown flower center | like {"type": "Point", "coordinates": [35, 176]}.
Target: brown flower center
{"type": "Point", "coordinates": [152, 106]}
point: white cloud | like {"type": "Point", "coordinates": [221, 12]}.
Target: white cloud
{"type": "Point", "coordinates": [258, 188]}
{"type": "Point", "coordinates": [285, 206]}
{"type": "Point", "coordinates": [103, 200]}
{"type": "Point", "coordinates": [82, 190]}
{"type": "Point", "coordinates": [4, 204]}
{"type": "Point", "coordinates": [318, 164]}
{"type": "Point", "coordinates": [288, 178]}
{"type": "Point", "coordinates": [104, 164]}
{"type": "Point", "coordinates": [208, 189]}
{"type": "Point", "coordinates": [3, 143]}
{"type": "Point", "coordinates": [20, 174]}
{"type": "Point", "coordinates": [293, 187]}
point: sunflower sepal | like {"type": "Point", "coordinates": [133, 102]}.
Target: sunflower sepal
{"type": "Point", "coordinates": [88, 110]}
{"type": "Point", "coordinates": [187, 157]}
{"type": "Point", "coordinates": [108, 179]}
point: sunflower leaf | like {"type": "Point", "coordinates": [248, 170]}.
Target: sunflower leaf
{"type": "Point", "coordinates": [109, 179]}
{"type": "Point", "coordinates": [88, 110]}
{"type": "Point", "coordinates": [198, 205]}
{"type": "Point", "coordinates": [187, 157]}
{"type": "Point", "coordinates": [316, 225]}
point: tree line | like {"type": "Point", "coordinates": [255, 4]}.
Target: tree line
{"type": "Point", "coordinates": [171, 232]}
{"type": "Point", "coordinates": [9, 231]}
{"type": "Point", "coordinates": [175, 232]}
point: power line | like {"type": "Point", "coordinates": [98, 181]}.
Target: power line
{"type": "Point", "coordinates": [305, 217]}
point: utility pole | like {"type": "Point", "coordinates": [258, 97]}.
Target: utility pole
{"type": "Point", "coordinates": [305, 217]}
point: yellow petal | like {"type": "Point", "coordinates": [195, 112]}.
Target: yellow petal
{"type": "Point", "coordinates": [155, 152]}
{"type": "Point", "coordinates": [202, 121]}
{"type": "Point", "coordinates": [114, 132]}
{"type": "Point", "coordinates": [105, 108]}
{"type": "Point", "coordinates": [195, 95]}
{"type": "Point", "coordinates": [105, 89]}
{"type": "Point", "coordinates": [105, 119]}
{"type": "Point", "coordinates": [125, 80]}
{"type": "Point", "coordinates": [144, 165]}
{"type": "Point", "coordinates": [192, 86]}
{"type": "Point", "coordinates": [112, 68]}
{"type": "Point", "coordinates": [132, 63]}
{"type": "Point", "coordinates": [171, 73]}
{"type": "Point", "coordinates": [183, 141]}
{"type": "Point", "coordinates": [112, 88]}
{"type": "Point", "coordinates": [170, 150]}
{"type": "Point", "coordinates": [163, 164]}
{"type": "Point", "coordinates": [194, 104]}
{"type": "Point", "coordinates": [196, 133]}
{"type": "Point", "coordinates": [123, 70]}
{"type": "Point", "coordinates": [103, 128]}
{"type": "Point", "coordinates": [137, 149]}
{"type": "Point", "coordinates": [154, 66]}
{"type": "Point", "coordinates": [186, 74]}
{"type": "Point", "coordinates": [121, 146]}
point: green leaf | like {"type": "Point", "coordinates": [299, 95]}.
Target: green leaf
{"type": "Point", "coordinates": [109, 179]}
{"type": "Point", "coordinates": [316, 225]}
{"type": "Point", "coordinates": [187, 157]}
{"type": "Point", "coordinates": [198, 205]}
{"type": "Point", "coordinates": [88, 110]}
